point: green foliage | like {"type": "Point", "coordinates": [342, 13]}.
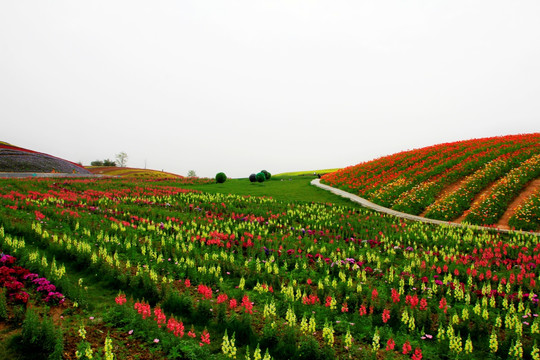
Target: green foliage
{"type": "Point", "coordinates": [120, 316]}
{"type": "Point", "coordinates": [260, 177]}
{"type": "Point", "coordinates": [221, 177]}
{"type": "Point", "coordinates": [309, 349]}
{"type": "Point", "coordinates": [190, 350]}
{"type": "Point", "coordinates": [253, 178]}
{"type": "Point", "coordinates": [241, 325]}
{"type": "Point", "coordinates": [106, 162]}
{"type": "Point", "coordinates": [269, 338]}
{"type": "Point", "coordinates": [42, 336]}
{"type": "Point", "coordinates": [109, 162]}
{"type": "Point", "coordinates": [143, 288]}
{"type": "Point", "coordinates": [286, 347]}
{"type": "Point", "coordinates": [3, 305]}
{"type": "Point", "coordinates": [267, 175]}
{"type": "Point", "coordinates": [179, 305]}
{"type": "Point", "coordinates": [203, 313]}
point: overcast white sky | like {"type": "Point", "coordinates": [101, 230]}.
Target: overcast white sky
{"type": "Point", "coordinates": [281, 85]}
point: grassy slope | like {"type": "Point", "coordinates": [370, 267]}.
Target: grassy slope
{"type": "Point", "coordinates": [296, 189]}
{"type": "Point", "coordinates": [130, 172]}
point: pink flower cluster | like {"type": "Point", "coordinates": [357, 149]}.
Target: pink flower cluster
{"type": "Point", "coordinates": [205, 291]}
{"type": "Point", "coordinates": [143, 309]}
{"type": "Point", "coordinates": [121, 299]}
{"type": "Point", "coordinates": [159, 317]}
{"type": "Point", "coordinates": [173, 325]}
{"type": "Point", "coordinates": [176, 327]}
{"type": "Point", "coordinates": [12, 277]}
{"type": "Point", "coordinates": [247, 304]}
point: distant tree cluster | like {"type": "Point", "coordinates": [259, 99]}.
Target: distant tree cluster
{"type": "Point", "coordinates": [261, 176]}
{"type": "Point", "coordinates": [121, 160]}
{"type": "Point", "coordinates": [105, 162]}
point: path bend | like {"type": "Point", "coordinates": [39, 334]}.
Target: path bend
{"type": "Point", "coordinates": [368, 204]}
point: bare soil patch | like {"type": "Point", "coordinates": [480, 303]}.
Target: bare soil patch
{"type": "Point", "coordinates": [477, 199]}
{"type": "Point", "coordinates": [445, 191]}
{"type": "Point", "coordinates": [529, 189]}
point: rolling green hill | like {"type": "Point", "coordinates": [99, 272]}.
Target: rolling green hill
{"type": "Point", "coordinates": [132, 172]}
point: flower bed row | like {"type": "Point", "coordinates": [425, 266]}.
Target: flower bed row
{"type": "Point", "coordinates": [412, 183]}
{"type": "Point", "coordinates": [455, 203]}
{"type": "Point", "coordinates": [492, 207]}
{"type": "Point", "coordinates": [527, 216]}
{"type": "Point", "coordinates": [416, 200]}
{"type": "Point", "coordinates": [367, 178]}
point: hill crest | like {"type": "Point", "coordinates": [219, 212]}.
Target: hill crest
{"type": "Point", "coordinates": [15, 159]}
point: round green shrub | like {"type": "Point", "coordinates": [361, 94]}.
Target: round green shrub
{"type": "Point", "coordinates": [221, 177]}
{"type": "Point", "coordinates": [252, 177]}
{"type": "Point", "coordinates": [266, 174]}
{"type": "Point", "coordinates": [260, 177]}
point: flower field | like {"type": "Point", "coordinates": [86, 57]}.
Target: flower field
{"type": "Point", "coordinates": [211, 276]}
{"type": "Point", "coordinates": [416, 182]}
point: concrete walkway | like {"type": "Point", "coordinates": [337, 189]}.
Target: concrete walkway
{"type": "Point", "coordinates": [368, 204]}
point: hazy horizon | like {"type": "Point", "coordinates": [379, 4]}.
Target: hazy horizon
{"type": "Point", "coordinates": [240, 86]}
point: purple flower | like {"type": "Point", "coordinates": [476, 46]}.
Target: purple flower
{"type": "Point", "coordinates": [30, 276]}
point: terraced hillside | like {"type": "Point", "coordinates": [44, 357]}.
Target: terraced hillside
{"type": "Point", "coordinates": [15, 159]}
{"type": "Point", "coordinates": [132, 172]}
{"type": "Point", "coordinates": [480, 181]}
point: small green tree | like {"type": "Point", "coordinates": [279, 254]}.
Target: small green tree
{"type": "Point", "coordinates": [266, 174]}
{"type": "Point", "coordinates": [253, 178]}
{"type": "Point", "coordinates": [221, 178]}
{"type": "Point", "coordinates": [96, 163]}
{"type": "Point", "coordinates": [192, 173]}
{"type": "Point", "coordinates": [260, 177]}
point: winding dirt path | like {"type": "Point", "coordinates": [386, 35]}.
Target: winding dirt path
{"type": "Point", "coordinates": [447, 190]}
{"type": "Point", "coordinates": [529, 189]}
{"type": "Point", "coordinates": [477, 199]}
